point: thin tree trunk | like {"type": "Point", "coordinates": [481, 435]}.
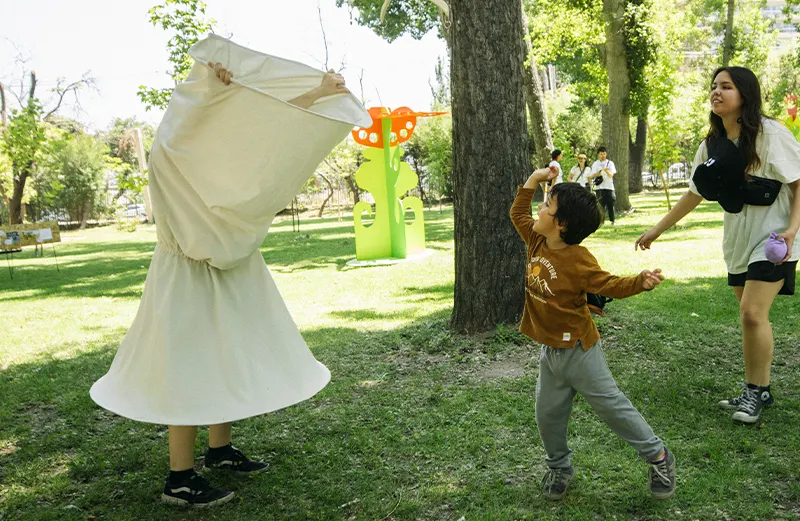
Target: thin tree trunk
{"type": "Point", "coordinates": [3, 125]}
{"type": "Point", "coordinates": [330, 193]}
{"type": "Point", "coordinates": [351, 183]}
{"type": "Point", "coordinates": [15, 214]}
{"type": "Point", "coordinates": [490, 158]}
{"type": "Point", "coordinates": [88, 206]}
{"type": "Point", "coordinates": [727, 48]}
{"type": "Point", "coordinates": [15, 204]}
{"type": "Point", "coordinates": [637, 149]}
{"type": "Point", "coordinates": [3, 107]}
{"type": "Point", "coordinates": [618, 91]}
{"type": "Point", "coordinates": [541, 138]}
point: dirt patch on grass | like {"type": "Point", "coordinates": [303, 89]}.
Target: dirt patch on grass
{"type": "Point", "coordinates": [41, 417]}
{"type": "Point", "coordinates": [475, 363]}
{"type": "Point", "coordinates": [500, 369]}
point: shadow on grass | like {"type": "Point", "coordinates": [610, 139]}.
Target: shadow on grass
{"type": "Point", "coordinates": [314, 248]}
{"type": "Point", "coordinates": [85, 270]}
{"type": "Point", "coordinates": [103, 269]}
{"type": "Point", "coordinates": [419, 423]}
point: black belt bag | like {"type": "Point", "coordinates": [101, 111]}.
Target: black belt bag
{"type": "Point", "coordinates": [759, 191]}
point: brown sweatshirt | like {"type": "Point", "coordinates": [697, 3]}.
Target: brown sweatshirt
{"type": "Point", "coordinates": [556, 283]}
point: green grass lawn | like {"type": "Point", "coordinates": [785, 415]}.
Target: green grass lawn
{"type": "Point", "coordinates": [417, 423]}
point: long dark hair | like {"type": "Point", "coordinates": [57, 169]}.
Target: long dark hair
{"type": "Point", "coordinates": [751, 120]}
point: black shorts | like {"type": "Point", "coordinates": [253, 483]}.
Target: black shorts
{"type": "Point", "coordinates": [767, 272]}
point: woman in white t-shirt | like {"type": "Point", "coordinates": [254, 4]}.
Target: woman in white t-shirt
{"type": "Point", "coordinates": [770, 151]}
{"type": "Point", "coordinates": [556, 157]}
{"type": "Point", "coordinates": [580, 172]}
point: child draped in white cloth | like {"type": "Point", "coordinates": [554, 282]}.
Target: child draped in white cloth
{"type": "Point", "coordinates": [213, 341]}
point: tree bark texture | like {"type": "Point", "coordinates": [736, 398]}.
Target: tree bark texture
{"type": "Point", "coordinates": [637, 150]}
{"type": "Point", "coordinates": [15, 213]}
{"type": "Point", "coordinates": [618, 92]}
{"type": "Point", "coordinates": [540, 135]}
{"type": "Point", "coordinates": [727, 46]}
{"type": "Point", "coordinates": [490, 158]}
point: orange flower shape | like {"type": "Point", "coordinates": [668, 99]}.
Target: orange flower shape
{"type": "Point", "coordinates": [404, 121]}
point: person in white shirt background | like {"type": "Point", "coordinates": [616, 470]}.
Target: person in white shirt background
{"type": "Point", "coordinates": [580, 172]}
{"type": "Point", "coordinates": [604, 170]}
{"type": "Point", "coordinates": [556, 157]}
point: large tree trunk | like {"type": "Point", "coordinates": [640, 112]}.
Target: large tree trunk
{"type": "Point", "coordinates": [637, 149]}
{"type": "Point", "coordinates": [541, 138]}
{"type": "Point", "coordinates": [490, 158]}
{"type": "Point", "coordinates": [606, 126]}
{"type": "Point", "coordinates": [727, 46]}
{"type": "Point", "coordinates": [618, 91]}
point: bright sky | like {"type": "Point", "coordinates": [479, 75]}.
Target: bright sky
{"type": "Point", "coordinates": [122, 50]}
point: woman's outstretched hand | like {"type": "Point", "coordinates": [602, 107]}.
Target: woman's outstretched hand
{"type": "Point", "coordinates": [332, 83]}
{"type": "Point", "coordinates": [222, 73]}
{"type": "Point", "coordinates": [646, 239]}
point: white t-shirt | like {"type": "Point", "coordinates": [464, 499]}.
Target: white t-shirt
{"type": "Point", "coordinates": [560, 177]}
{"type": "Point", "coordinates": [579, 176]}
{"type": "Point", "coordinates": [608, 182]}
{"type": "Point", "coordinates": [745, 233]}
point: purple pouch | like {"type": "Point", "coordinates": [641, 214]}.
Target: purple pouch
{"type": "Point", "coordinates": [775, 249]}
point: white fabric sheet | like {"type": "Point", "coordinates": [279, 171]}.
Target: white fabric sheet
{"type": "Point", "coordinates": [213, 341]}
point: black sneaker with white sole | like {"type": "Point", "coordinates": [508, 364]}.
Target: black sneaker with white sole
{"type": "Point", "coordinates": [194, 491]}
{"type": "Point", "coordinates": [750, 406]}
{"type": "Point", "coordinates": [733, 404]}
{"type": "Point", "coordinates": [231, 458]}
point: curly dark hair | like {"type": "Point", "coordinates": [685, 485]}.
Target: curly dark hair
{"type": "Point", "coordinates": [578, 211]}
{"type": "Point", "coordinates": [752, 116]}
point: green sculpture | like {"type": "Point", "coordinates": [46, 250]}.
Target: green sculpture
{"type": "Point", "coordinates": [387, 178]}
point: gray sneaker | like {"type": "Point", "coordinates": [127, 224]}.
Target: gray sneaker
{"type": "Point", "coordinates": [662, 477]}
{"type": "Point", "coordinates": [555, 483]}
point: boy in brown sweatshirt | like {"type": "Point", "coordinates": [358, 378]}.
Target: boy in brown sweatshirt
{"type": "Point", "coordinates": [559, 273]}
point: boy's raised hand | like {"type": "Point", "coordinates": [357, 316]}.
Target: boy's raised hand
{"type": "Point", "coordinates": [541, 175]}
{"type": "Point", "coordinates": [651, 279]}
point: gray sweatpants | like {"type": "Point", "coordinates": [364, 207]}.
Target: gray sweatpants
{"type": "Point", "coordinates": [565, 372]}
